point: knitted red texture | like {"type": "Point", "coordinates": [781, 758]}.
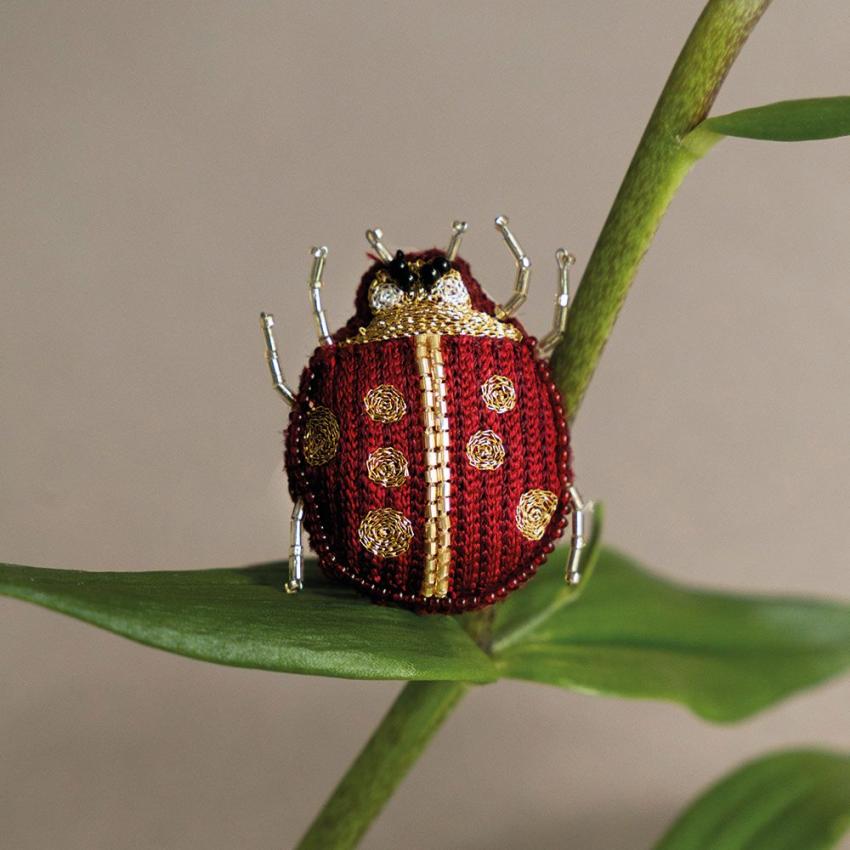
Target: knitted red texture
{"type": "Point", "coordinates": [489, 555]}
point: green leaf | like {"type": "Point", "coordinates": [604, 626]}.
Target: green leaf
{"type": "Point", "coordinates": [636, 635]}
{"type": "Point", "coordinates": [786, 121]}
{"type": "Point", "coordinates": [242, 617]}
{"type": "Point", "coordinates": [623, 632]}
{"type": "Point", "coordinates": [798, 800]}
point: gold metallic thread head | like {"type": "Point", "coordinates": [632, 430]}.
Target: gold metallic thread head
{"type": "Point", "coordinates": [444, 308]}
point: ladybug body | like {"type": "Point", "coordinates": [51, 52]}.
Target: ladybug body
{"type": "Point", "coordinates": [427, 449]}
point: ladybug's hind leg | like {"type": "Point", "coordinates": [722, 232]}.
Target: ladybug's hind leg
{"type": "Point", "coordinates": [581, 511]}
{"type": "Point", "coordinates": [296, 548]}
{"type": "Point", "coordinates": [562, 304]}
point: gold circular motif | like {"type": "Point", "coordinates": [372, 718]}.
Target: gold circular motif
{"type": "Point", "coordinates": [321, 436]}
{"type": "Point", "coordinates": [385, 532]}
{"type": "Point", "coordinates": [499, 394]}
{"type": "Point", "coordinates": [385, 403]}
{"type": "Point", "coordinates": [534, 511]}
{"type": "Point", "coordinates": [387, 466]}
{"type": "Point", "coordinates": [484, 450]}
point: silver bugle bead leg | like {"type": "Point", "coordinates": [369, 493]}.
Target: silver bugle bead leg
{"type": "Point", "coordinates": [374, 238]}
{"type": "Point", "coordinates": [458, 229]}
{"type": "Point", "coordinates": [296, 548]}
{"type": "Point", "coordinates": [523, 271]}
{"type": "Point", "coordinates": [578, 540]}
{"type": "Point", "coordinates": [315, 284]}
{"type": "Point", "coordinates": [562, 304]}
{"type": "Point", "coordinates": [266, 325]}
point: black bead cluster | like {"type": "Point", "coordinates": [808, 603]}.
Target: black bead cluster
{"type": "Point", "coordinates": [432, 271]}
{"type": "Point", "coordinates": [400, 271]}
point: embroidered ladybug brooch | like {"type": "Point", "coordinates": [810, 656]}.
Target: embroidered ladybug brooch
{"type": "Point", "coordinates": [427, 451]}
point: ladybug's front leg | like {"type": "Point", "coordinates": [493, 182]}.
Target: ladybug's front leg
{"type": "Point", "coordinates": [581, 511]}
{"type": "Point", "coordinates": [562, 304]}
{"type": "Point", "coordinates": [278, 381]}
{"type": "Point", "coordinates": [523, 271]}
{"type": "Point", "coordinates": [315, 283]}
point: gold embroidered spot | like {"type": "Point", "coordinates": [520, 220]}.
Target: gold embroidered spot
{"type": "Point", "coordinates": [387, 466]}
{"type": "Point", "coordinates": [484, 450]}
{"type": "Point", "coordinates": [385, 532]}
{"type": "Point", "coordinates": [321, 436]}
{"type": "Point", "coordinates": [499, 394]}
{"type": "Point", "coordinates": [385, 403]}
{"type": "Point", "coordinates": [534, 511]}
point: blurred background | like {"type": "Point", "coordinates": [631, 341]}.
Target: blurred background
{"type": "Point", "coordinates": [166, 167]}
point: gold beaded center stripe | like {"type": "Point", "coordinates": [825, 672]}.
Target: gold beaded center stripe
{"type": "Point", "coordinates": [499, 394]}
{"type": "Point", "coordinates": [485, 450]}
{"type": "Point", "coordinates": [385, 404]}
{"type": "Point", "coordinates": [321, 436]}
{"type": "Point", "coordinates": [387, 466]}
{"type": "Point", "coordinates": [534, 511]}
{"type": "Point", "coordinates": [432, 381]}
{"type": "Point", "coordinates": [385, 532]}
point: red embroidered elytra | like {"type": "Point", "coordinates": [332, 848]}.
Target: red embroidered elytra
{"type": "Point", "coordinates": [427, 450]}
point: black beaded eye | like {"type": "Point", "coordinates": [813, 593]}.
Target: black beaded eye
{"type": "Point", "coordinates": [428, 274]}
{"type": "Point", "coordinates": [428, 277]}
{"type": "Point", "coordinates": [432, 271]}
{"type": "Point", "coordinates": [400, 271]}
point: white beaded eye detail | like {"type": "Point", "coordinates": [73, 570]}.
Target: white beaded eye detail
{"type": "Point", "coordinates": [450, 289]}
{"type": "Point", "coordinates": [383, 294]}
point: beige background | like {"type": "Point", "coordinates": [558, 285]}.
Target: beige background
{"type": "Point", "coordinates": [166, 166]}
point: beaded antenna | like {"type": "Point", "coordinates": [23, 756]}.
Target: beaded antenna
{"type": "Point", "coordinates": [427, 451]}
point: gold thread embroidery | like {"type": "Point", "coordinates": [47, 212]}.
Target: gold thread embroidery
{"type": "Point", "coordinates": [425, 317]}
{"type": "Point", "coordinates": [385, 403]}
{"type": "Point", "coordinates": [321, 436]}
{"type": "Point", "coordinates": [432, 381]}
{"type": "Point", "coordinates": [499, 394]}
{"type": "Point", "coordinates": [485, 450]}
{"type": "Point", "coordinates": [385, 532]}
{"type": "Point", "coordinates": [387, 466]}
{"type": "Point", "coordinates": [534, 511]}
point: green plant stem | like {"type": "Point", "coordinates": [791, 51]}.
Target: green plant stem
{"type": "Point", "coordinates": [396, 744]}
{"type": "Point", "coordinates": [660, 163]}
